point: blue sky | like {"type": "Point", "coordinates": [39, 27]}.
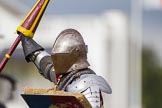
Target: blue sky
{"type": "Point", "coordinates": [82, 6]}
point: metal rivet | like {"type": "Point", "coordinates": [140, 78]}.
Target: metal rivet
{"type": "Point", "coordinates": [75, 66]}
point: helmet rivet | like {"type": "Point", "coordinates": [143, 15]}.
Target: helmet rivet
{"type": "Point", "coordinates": [75, 66]}
{"type": "Point", "coordinates": [77, 49]}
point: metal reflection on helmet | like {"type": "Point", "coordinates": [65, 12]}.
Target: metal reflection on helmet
{"type": "Point", "coordinates": [69, 52]}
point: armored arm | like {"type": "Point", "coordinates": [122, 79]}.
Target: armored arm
{"type": "Point", "coordinates": [42, 60]}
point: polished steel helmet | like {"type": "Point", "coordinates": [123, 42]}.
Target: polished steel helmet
{"type": "Point", "coordinates": [69, 52]}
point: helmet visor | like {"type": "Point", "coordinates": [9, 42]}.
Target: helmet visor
{"type": "Point", "coordinates": [63, 61]}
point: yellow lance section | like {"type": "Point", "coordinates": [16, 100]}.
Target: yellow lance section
{"type": "Point", "coordinates": [25, 32]}
{"type": "Point", "coordinates": [7, 56]}
{"type": "Point", "coordinates": [29, 33]}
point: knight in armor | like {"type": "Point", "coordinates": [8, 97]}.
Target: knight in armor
{"type": "Point", "coordinates": [67, 66]}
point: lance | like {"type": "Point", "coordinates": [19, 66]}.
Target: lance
{"type": "Point", "coordinates": [27, 27]}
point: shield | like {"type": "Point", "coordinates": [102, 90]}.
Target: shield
{"type": "Point", "coordinates": [55, 99]}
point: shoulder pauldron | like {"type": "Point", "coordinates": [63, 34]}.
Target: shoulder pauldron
{"type": "Point", "coordinates": [89, 80]}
